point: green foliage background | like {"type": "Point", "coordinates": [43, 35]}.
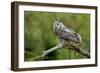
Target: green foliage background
{"type": "Point", "coordinates": [39, 35]}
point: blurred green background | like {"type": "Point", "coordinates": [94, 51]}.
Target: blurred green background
{"type": "Point", "coordinates": [39, 34]}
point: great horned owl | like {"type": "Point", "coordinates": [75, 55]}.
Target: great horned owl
{"type": "Point", "coordinates": [66, 34]}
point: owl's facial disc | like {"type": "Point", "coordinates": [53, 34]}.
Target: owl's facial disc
{"type": "Point", "coordinates": [57, 25]}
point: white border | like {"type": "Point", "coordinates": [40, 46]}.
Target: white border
{"type": "Point", "coordinates": [23, 64]}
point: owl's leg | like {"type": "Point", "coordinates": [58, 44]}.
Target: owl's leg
{"type": "Point", "coordinates": [77, 45]}
{"type": "Point", "coordinates": [63, 42]}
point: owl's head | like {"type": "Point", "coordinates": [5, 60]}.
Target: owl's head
{"type": "Point", "coordinates": [57, 25]}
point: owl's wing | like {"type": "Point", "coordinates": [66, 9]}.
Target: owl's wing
{"type": "Point", "coordinates": [69, 30]}
{"type": "Point", "coordinates": [68, 35]}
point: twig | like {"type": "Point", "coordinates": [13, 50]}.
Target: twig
{"type": "Point", "coordinates": [48, 51]}
{"type": "Point", "coordinates": [83, 52]}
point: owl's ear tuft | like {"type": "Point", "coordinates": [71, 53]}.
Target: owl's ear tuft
{"type": "Point", "coordinates": [59, 19]}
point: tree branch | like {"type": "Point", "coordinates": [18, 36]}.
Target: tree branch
{"type": "Point", "coordinates": [81, 51]}
{"type": "Point", "coordinates": [48, 51]}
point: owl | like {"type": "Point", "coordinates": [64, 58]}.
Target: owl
{"type": "Point", "coordinates": [66, 35]}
